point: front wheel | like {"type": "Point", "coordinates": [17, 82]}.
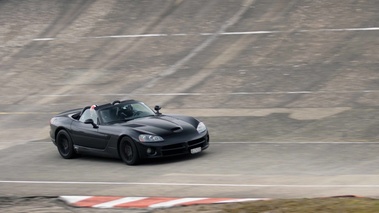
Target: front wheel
{"type": "Point", "coordinates": [128, 151]}
{"type": "Point", "coordinates": [65, 145]}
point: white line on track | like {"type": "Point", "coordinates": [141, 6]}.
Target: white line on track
{"type": "Point", "coordinates": [213, 37]}
{"type": "Point", "coordinates": [201, 175]}
{"type": "Point", "coordinates": [260, 142]}
{"type": "Point", "coordinates": [300, 142]}
{"type": "Point", "coordinates": [203, 94]}
{"type": "Point", "coordinates": [196, 184]}
{"type": "Point", "coordinates": [220, 33]}
{"type": "Point", "coordinates": [28, 113]}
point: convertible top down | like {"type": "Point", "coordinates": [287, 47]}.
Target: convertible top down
{"type": "Point", "coordinates": [129, 130]}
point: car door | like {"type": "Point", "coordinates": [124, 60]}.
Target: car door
{"type": "Point", "coordinates": [87, 135]}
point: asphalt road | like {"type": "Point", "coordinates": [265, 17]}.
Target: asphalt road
{"type": "Point", "coordinates": [283, 87]}
{"type": "Point", "coordinates": [242, 170]}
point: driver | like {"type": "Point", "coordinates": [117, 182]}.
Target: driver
{"type": "Point", "coordinates": [127, 111]}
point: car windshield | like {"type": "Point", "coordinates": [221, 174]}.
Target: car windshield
{"type": "Point", "coordinates": [124, 112]}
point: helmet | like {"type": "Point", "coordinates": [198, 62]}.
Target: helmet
{"type": "Point", "coordinates": [128, 111]}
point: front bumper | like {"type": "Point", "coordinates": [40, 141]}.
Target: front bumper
{"type": "Point", "coordinates": [156, 150]}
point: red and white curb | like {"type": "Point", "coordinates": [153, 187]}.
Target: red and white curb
{"type": "Point", "coordinates": [144, 202]}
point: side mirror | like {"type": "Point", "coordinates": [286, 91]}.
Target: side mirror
{"type": "Point", "coordinates": [90, 121]}
{"type": "Point", "coordinates": [157, 108]}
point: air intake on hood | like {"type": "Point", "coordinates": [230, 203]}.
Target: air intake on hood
{"type": "Point", "coordinates": [176, 129]}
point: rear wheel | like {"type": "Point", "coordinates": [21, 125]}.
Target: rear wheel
{"type": "Point", "coordinates": [65, 145]}
{"type": "Point", "coordinates": [128, 151]}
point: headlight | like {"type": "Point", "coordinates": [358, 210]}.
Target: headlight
{"type": "Point", "coordinates": [150, 138]}
{"type": "Point", "coordinates": [201, 127]}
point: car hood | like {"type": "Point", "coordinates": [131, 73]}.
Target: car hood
{"type": "Point", "coordinates": [161, 125]}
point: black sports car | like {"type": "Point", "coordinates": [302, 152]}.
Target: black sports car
{"type": "Point", "coordinates": [129, 130]}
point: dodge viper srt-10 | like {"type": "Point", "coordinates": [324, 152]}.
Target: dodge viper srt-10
{"type": "Point", "coordinates": [128, 130]}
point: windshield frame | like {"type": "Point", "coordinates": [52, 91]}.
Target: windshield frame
{"type": "Point", "coordinates": [115, 113]}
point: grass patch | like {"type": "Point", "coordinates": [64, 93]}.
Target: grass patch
{"type": "Point", "coordinates": [337, 205]}
{"type": "Point", "coordinates": [324, 205]}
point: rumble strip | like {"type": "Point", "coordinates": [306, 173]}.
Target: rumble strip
{"type": "Point", "coordinates": [144, 202]}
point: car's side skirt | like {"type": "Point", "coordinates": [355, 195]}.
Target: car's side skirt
{"type": "Point", "coordinates": [107, 152]}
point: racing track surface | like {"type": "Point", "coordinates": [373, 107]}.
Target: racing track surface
{"type": "Point", "coordinates": [288, 89]}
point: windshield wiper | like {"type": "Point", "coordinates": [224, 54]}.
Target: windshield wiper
{"type": "Point", "coordinates": [128, 119]}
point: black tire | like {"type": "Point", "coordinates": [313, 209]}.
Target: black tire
{"type": "Point", "coordinates": [128, 151]}
{"type": "Point", "coordinates": [65, 145]}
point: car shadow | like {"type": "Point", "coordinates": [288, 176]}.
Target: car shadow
{"type": "Point", "coordinates": [173, 159]}
{"type": "Point", "coordinates": [144, 162]}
